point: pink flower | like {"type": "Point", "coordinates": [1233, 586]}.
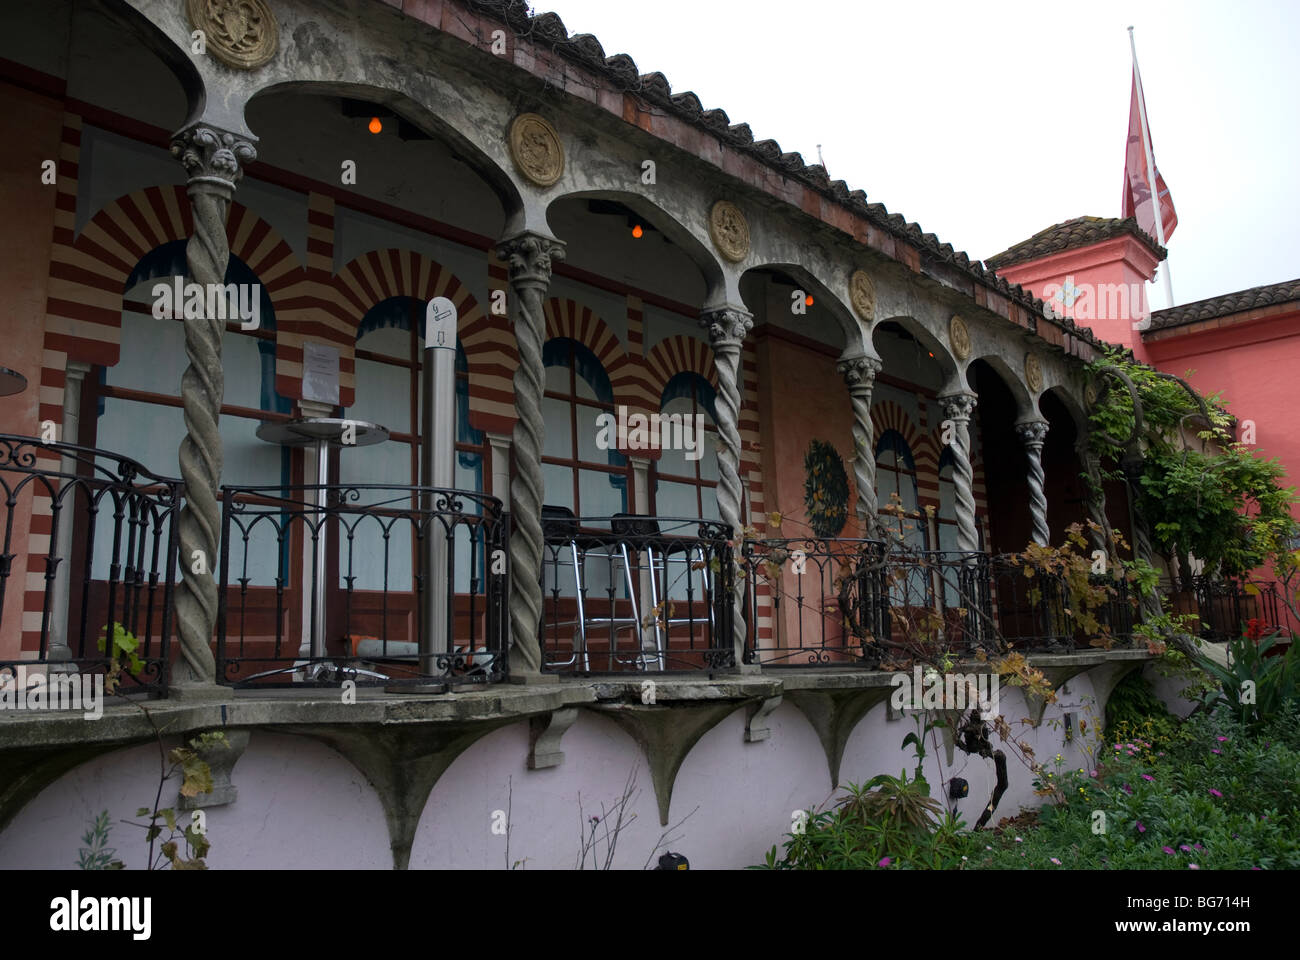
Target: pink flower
{"type": "Point", "coordinates": [1055, 861]}
{"type": "Point", "coordinates": [1215, 792]}
{"type": "Point", "coordinates": [1185, 847]}
{"type": "Point", "coordinates": [884, 862]}
{"type": "Point", "coordinates": [1222, 739]}
{"type": "Point", "coordinates": [1148, 777]}
{"type": "Point", "coordinates": [1192, 866]}
{"type": "Point", "coordinates": [1168, 850]}
{"type": "Point", "coordinates": [1141, 827]}
{"type": "Point", "coordinates": [1127, 788]}
{"type": "Point", "coordinates": [1018, 840]}
{"type": "Point", "coordinates": [1093, 774]}
{"type": "Point", "coordinates": [1216, 751]}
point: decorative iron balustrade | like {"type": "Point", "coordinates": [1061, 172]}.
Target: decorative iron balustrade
{"type": "Point", "coordinates": [325, 583]}
{"type": "Point", "coordinates": [635, 593]}
{"type": "Point", "coordinates": [855, 603]}
{"type": "Point", "coordinates": [99, 531]}
{"type": "Point", "coordinates": [1226, 607]}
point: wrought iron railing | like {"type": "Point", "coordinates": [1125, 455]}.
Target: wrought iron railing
{"type": "Point", "coordinates": [635, 593]}
{"type": "Point", "coordinates": [98, 532]}
{"type": "Point", "coordinates": [850, 602]}
{"type": "Point", "coordinates": [1225, 607]}
{"type": "Point", "coordinates": [320, 584]}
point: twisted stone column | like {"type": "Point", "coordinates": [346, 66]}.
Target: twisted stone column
{"type": "Point", "coordinates": [529, 256]}
{"type": "Point", "coordinates": [727, 328]}
{"type": "Point", "coordinates": [1094, 499]}
{"type": "Point", "coordinates": [214, 160]}
{"type": "Point", "coordinates": [958, 409]}
{"type": "Point", "coordinates": [1032, 434]}
{"type": "Point", "coordinates": [859, 375]}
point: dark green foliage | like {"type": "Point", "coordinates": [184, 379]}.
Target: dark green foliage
{"type": "Point", "coordinates": [826, 490]}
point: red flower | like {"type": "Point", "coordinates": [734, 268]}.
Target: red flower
{"type": "Point", "coordinates": [1254, 628]}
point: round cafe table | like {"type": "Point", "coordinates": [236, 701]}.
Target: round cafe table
{"type": "Point", "coordinates": [11, 382]}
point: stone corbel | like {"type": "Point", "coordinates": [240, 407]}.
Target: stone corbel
{"type": "Point", "coordinates": [756, 728]}
{"type": "Point", "coordinates": [544, 735]}
{"type": "Point", "coordinates": [221, 759]}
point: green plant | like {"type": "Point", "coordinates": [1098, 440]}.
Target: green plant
{"type": "Point", "coordinates": [121, 653]}
{"type": "Point", "coordinates": [1255, 687]}
{"type": "Point", "coordinates": [97, 854]}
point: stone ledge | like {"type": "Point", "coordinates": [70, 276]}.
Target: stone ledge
{"type": "Point", "coordinates": [122, 724]}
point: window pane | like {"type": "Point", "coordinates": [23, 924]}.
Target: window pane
{"type": "Point", "coordinates": [382, 395]}
{"type": "Point", "coordinates": [558, 485]}
{"type": "Point", "coordinates": [557, 380]}
{"type": "Point", "coordinates": [676, 500]}
{"type": "Point", "coordinates": [559, 433]}
{"type": "Point", "coordinates": [588, 432]}
{"type": "Point", "coordinates": [152, 354]}
{"type": "Point", "coordinates": [598, 494]}
{"type": "Point", "coordinates": [709, 455]}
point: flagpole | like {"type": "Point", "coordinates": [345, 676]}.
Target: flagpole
{"type": "Point", "coordinates": [1152, 186]}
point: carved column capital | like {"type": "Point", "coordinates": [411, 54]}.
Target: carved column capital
{"type": "Point", "coordinates": [1032, 433]}
{"type": "Point", "coordinates": [727, 326]}
{"type": "Point", "coordinates": [212, 156]}
{"type": "Point", "coordinates": [529, 257]}
{"type": "Point", "coordinates": [859, 373]}
{"type": "Point", "coordinates": [959, 406]}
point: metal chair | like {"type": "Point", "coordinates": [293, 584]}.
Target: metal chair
{"type": "Point", "coordinates": [560, 526]}
{"type": "Point", "coordinates": [648, 537]}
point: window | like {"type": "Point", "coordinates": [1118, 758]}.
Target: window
{"type": "Point", "coordinates": [896, 475]}
{"type": "Point", "coordinates": [389, 365]}
{"type": "Point", "coordinates": [578, 474]}
{"type": "Point", "coordinates": [686, 482]}
{"type": "Point", "coordinates": [139, 413]}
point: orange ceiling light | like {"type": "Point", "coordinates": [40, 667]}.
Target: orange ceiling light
{"type": "Point", "coordinates": [637, 231]}
{"type": "Point", "coordinates": [375, 125]}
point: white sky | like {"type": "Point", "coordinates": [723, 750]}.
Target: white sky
{"type": "Point", "coordinates": [986, 122]}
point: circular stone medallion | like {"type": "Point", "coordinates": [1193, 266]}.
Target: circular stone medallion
{"type": "Point", "coordinates": [862, 294]}
{"type": "Point", "coordinates": [959, 338]}
{"type": "Point", "coordinates": [1033, 373]}
{"type": "Point", "coordinates": [729, 230]}
{"type": "Point", "coordinates": [240, 33]}
{"type": "Point", "coordinates": [535, 148]}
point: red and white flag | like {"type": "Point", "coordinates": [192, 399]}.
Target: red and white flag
{"type": "Point", "coordinates": [1138, 172]}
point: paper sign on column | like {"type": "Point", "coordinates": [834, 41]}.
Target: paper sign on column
{"type": "Point", "coordinates": [320, 373]}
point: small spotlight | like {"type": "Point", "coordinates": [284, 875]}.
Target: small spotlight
{"type": "Point", "coordinates": [375, 125]}
{"type": "Point", "coordinates": [637, 231]}
{"type": "Point", "coordinates": [932, 355]}
{"type": "Point", "coordinates": [808, 300]}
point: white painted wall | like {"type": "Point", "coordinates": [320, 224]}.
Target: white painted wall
{"type": "Point", "coordinates": [302, 805]}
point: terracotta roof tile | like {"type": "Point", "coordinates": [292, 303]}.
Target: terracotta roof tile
{"type": "Point", "coordinates": [624, 74]}
{"type": "Point", "coordinates": [1226, 305]}
{"type": "Point", "coordinates": [1079, 232]}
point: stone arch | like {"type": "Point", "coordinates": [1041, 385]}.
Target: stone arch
{"type": "Point", "coordinates": [87, 276]}
{"type": "Point", "coordinates": [574, 321]}
{"type": "Point", "coordinates": [692, 240]}
{"type": "Point", "coordinates": [1026, 406]}
{"type": "Point", "coordinates": [856, 334]}
{"type": "Point", "coordinates": [952, 373]}
{"type": "Point", "coordinates": [678, 354]}
{"type": "Point", "coordinates": [376, 276]}
{"type": "Point", "coordinates": [409, 105]}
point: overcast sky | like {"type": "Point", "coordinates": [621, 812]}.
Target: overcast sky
{"type": "Point", "coordinates": [986, 122]}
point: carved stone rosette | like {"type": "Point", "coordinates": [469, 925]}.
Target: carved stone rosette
{"type": "Point", "coordinates": [859, 375]}
{"type": "Point", "coordinates": [862, 294]}
{"type": "Point", "coordinates": [536, 149]}
{"type": "Point", "coordinates": [958, 408]}
{"type": "Point", "coordinates": [214, 160]}
{"type": "Point", "coordinates": [240, 33]}
{"type": "Point", "coordinates": [727, 328]}
{"type": "Point", "coordinates": [1033, 433]}
{"type": "Point", "coordinates": [529, 257]}
{"type": "Point", "coordinates": [729, 230]}
{"type": "Point", "coordinates": [1033, 373]}
{"type": "Point", "coordinates": [959, 338]}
